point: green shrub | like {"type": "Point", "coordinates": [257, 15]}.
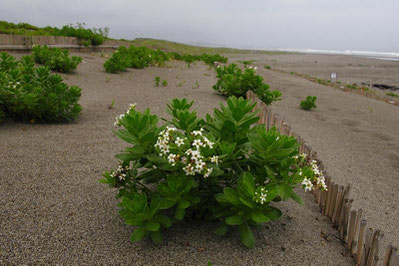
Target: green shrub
{"type": "Point", "coordinates": [392, 94]}
{"type": "Point", "coordinates": [55, 58]}
{"type": "Point", "coordinates": [309, 103]}
{"type": "Point", "coordinates": [212, 59]}
{"type": "Point", "coordinates": [225, 168]}
{"type": "Point", "coordinates": [30, 94]}
{"type": "Point", "coordinates": [268, 67]}
{"type": "Point", "coordinates": [95, 36]}
{"type": "Point", "coordinates": [116, 63]}
{"type": "Point", "coordinates": [232, 81]}
{"type": "Point", "coordinates": [164, 83]}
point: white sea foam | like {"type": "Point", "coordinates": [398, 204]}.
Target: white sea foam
{"type": "Point", "coordinates": [369, 54]}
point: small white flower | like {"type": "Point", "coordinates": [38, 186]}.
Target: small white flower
{"type": "Point", "coordinates": [172, 159]}
{"type": "Point", "coordinates": [179, 142]}
{"type": "Point", "coordinates": [215, 159]}
{"type": "Point", "coordinates": [132, 105]}
{"type": "Point", "coordinates": [208, 172]}
{"type": "Point", "coordinates": [307, 184]}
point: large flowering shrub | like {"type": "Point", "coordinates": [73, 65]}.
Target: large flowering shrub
{"type": "Point", "coordinates": [34, 94]}
{"type": "Point", "coordinates": [234, 81]}
{"type": "Point", "coordinates": [55, 58]}
{"type": "Point", "coordinates": [223, 168]}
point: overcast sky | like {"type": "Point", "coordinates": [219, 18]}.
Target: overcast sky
{"type": "Point", "coordinates": [370, 25]}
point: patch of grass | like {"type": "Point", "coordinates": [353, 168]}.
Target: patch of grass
{"type": "Point", "coordinates": [268, 67]}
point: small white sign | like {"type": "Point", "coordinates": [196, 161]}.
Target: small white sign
{"type": "Point", "coordinates": [333, 76]}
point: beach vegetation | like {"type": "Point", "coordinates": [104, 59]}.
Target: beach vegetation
{"type": "Point", "coordinates": [225, 168]}
{"type": "Point", "coordinates": [309, 103]}
{"type": "Point", "coordinates": [233, 81]}
{"type": "Point", "coordinates": [55, 58]}
{"type": "Point", "coordinates": [35, 94]}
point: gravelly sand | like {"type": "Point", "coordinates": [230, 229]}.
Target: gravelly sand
{"type": "Point", "coordinates": [54, 210]}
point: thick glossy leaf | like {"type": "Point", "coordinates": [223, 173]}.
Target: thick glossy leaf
{"type": "Point", "coordinates": [164, 220]}
{"type": "Point", "coordinates": [152, 226]}
{"type": "Point", "coordinates": [138, 234]}
{"type": "Point", "coordinates": [272, 212]}
{"type": "Point", "coordinates": [285, 191]}
{"type": "Point", "coordinates": [234, 220]}
{"type": "Point", "coordinates": [231, 196]}
{"type": "Point", "coordinates": [179, 214]}
{"type": "Point", "coordinates": [221, 230]}
{"type": "Point", "coordinates": [156, 237]}
{"type": "Point", "coordinates": [259, 217]}
{"type": "Point", "coordinates": [247, 237]}
{"type": "Point", "coordinates": [166, 203]}
{"type": "Point", "coordinates": [246, 184]}
{"type": "Point", "coordinates": [296, 197]}
{"type": "Point", "coordinates": [183, 204]}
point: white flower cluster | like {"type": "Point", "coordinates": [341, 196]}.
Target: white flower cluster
{"type": "Point", "coordinates": [119, 117]}
{"type": "Point", "coordinates": [13, 85]}
{"type": "Point", "coordinates": [260, 195]}
{"type": "Point", "coordinates": [189, 153]}
{"type": "Point", "coordinates": [120, 173]}
{"type": "Point", "coordinates": [254, 68]}
{"type": "Point", "coordinates": [318, 181]}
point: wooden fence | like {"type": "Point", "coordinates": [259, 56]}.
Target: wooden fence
{"type": "Point", "coordinates": [25, 43]}
{"type": "Point", "coordinates": [365, 244]}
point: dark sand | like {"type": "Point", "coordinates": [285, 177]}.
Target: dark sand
{"type": "Point", "coordinates": [53, 209]}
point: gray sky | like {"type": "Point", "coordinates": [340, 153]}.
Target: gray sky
{"type": "Point", "coordinates": [316, 24]}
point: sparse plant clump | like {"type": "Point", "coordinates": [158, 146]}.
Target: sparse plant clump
{"type": "Point", "coordinates": [225, 168]}
{"type": "Point", "coordinates": [268, 67]}
{"type": "Point", "coordinates": [164, 83]}
{"type": "Point", "coordinates": [233, 81]}
{"type": "Point", "coordinates": [55, 58]}
{"type": "Point", "coordinates": [309, 103]}
{"type": "Point", "coordinates": [392, 94]}
{"type": "Point", "coordinates": [157, 81]}
{"type": "Point", "coordinates": [34, 94]}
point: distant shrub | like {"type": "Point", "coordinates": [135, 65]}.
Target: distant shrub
{"type": "Point", "coordinates": [392, 94]}
{"type": "Point", "coordinates": [268, 67]}
{"type": "Point", "coordinates": [157, 81]}
{"type": "Point", "coordinates": [309, 103]}
{"type": "Point", "coordinates": [211, 59]}
{"type": "Point", "coordinates": [55, 58]}
{"type": "Point", "coordinates": [34, 94]}
{"type": "Point", "coordinates": [164, 83]}
{"type": "Point", "coordinates": [232, 81]}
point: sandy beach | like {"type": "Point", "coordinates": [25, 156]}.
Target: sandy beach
{"type": "Point", "coordinates": [54, 210]}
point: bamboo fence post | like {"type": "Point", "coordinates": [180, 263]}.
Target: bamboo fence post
{"type": "Point", "coordinates": [378, 243]}
{"type": "Point", "coordinates": [338, 205]}
{"type": "Point", "coordinates": [394, 259]}
{"type": "Point", "coordinates": [328, 198]}
{"type": "Point", "coordinates": [346, 221]}
{"type": "Point", "coordinates": [360, 246]}
{"type": "Point", "coordinates": [351, 230]}
{"type": "Point", "coordinates": [333, 201]}
{"type": "Point", "coordinates": [387, 256]}
{"type": "Point", "coordinates": [369, 235]}
{"type": "Point", "coordinates": [357, 228]}
{"type": "Point", "coordinates": [373, 248]}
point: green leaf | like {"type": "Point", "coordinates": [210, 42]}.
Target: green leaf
{"type": "Point", "coordinates": [234, 220]}
{"type": "Point", "coordinates": [231, 196]}
{"type": "Point", "coordinates": [272, 212]}
{"type": "Point", "coordinates": [296, 197]}
{"type": "Point", "coordinates": [221, 230]}
{"type": "Point", "coordinates": [138, 234]}
{"type": "Point", "coordinates": [164, 220]}
{"type": "Point", "coordinates": [247, 238]}
{"type": "Point", "coordinates": [166, 203]}
{"type": "Point", "coordinates": [179, 214]}
{"type": "Point", "coordinates": [259, 217]}
{"type": "Point", "coordinates": [248, 203]}
{"type": "Point", "coordinates": [183, 204]}
{"type": "Point", "coordinates": [137, 219]}
{"type": "Point", "coordinates": [230, 126]}
{"type": "Point", "coordinates": [285, 191]}
{"type": "Point", "coordinates": [156, 237]}
{"type": "Point", "coordinates": [152, 226]}
{"type": "Point", "coordinates": [221, 198]}
{"type": "Point", "coordinates": [246, 184]}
